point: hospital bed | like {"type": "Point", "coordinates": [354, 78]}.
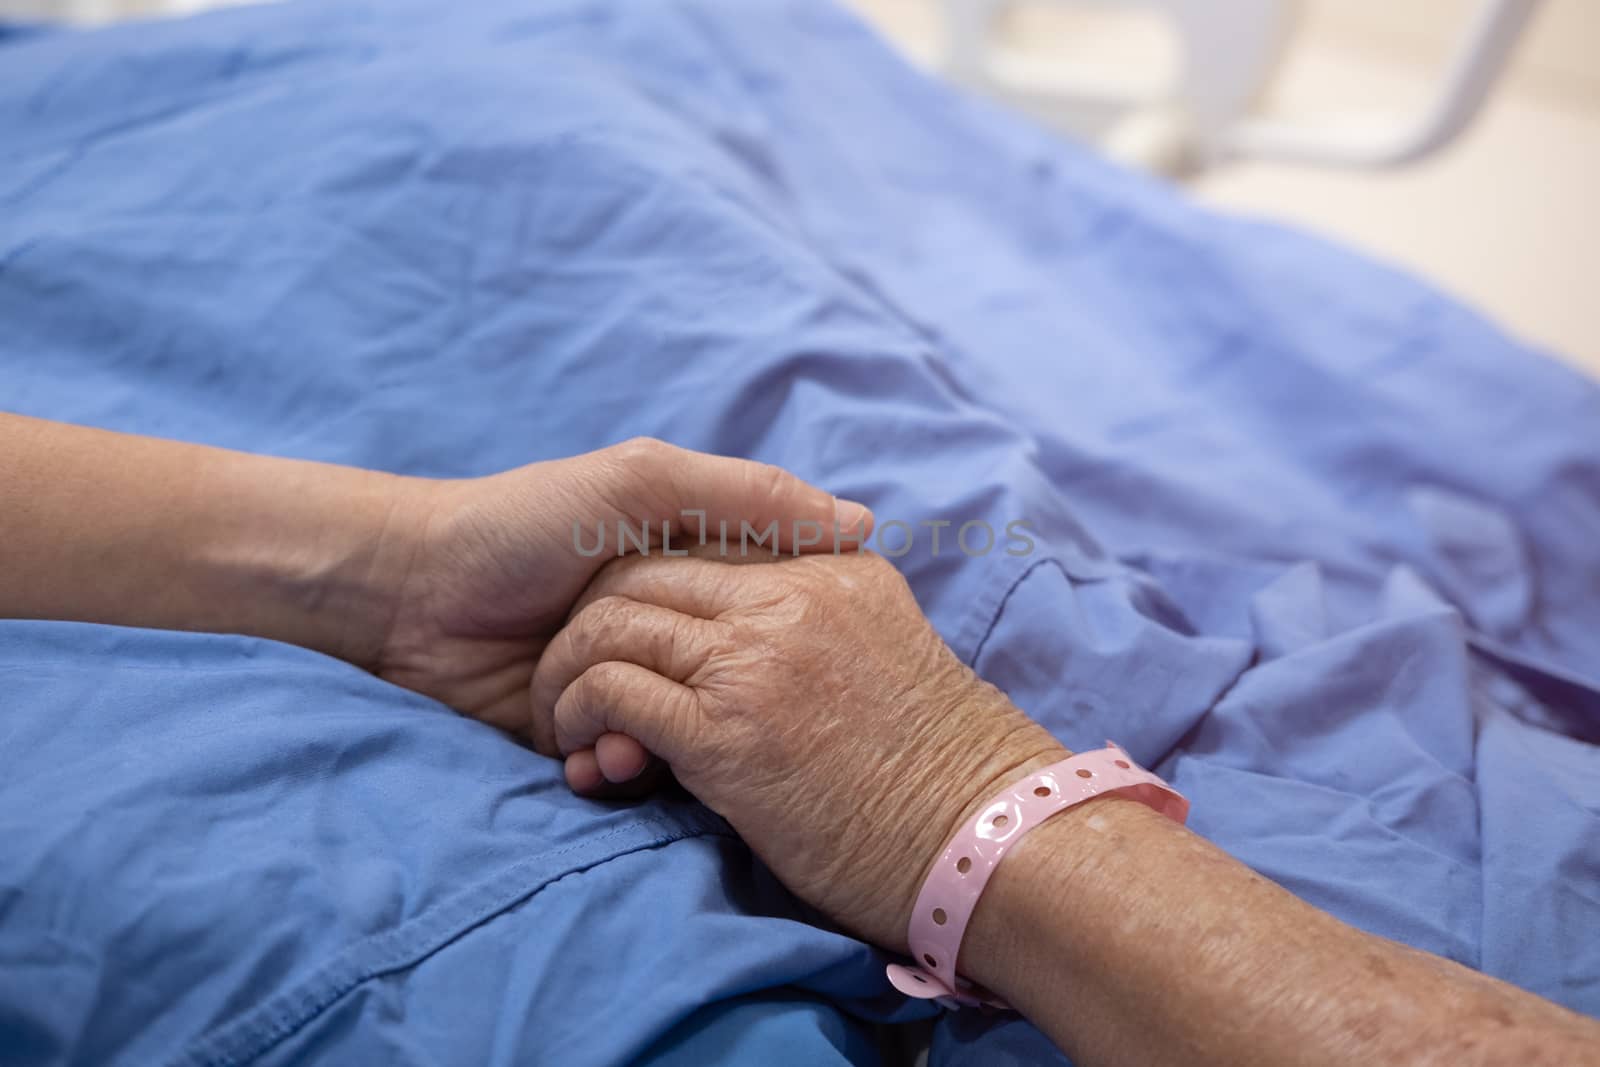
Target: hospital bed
{"type": "Point", "coordinates": [1315, 541]}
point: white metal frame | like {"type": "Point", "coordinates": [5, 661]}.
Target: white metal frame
{"type": "Point", "coordinates": [1231, 50]}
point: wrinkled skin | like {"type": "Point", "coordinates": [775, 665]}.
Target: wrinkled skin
{"type": "Point", "coordinates": [765, 688]}
{"type": "Point", "coordinates": [485, 569]}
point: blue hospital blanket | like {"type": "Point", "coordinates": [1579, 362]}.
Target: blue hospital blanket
{"type": "Point", "coordinates": [1316, 542]}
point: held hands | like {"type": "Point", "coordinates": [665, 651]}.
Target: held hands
{"type": "Point", "coordinates": [808, 701]}
{"type": "Point", "coordinates": [485, 570]}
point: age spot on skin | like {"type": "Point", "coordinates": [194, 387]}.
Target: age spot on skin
{"type": "Point", "coordinates": [1379, 968]}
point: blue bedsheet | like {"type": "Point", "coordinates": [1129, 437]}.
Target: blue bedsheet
{"type": "Point", "coordinates": [1317, 542]}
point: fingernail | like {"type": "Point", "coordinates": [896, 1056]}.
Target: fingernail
{"type": "Point", "coordinates": [848, 514]}
{"type": "Point", "coordinates": [631, 775]}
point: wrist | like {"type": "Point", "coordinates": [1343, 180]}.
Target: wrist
{"type": "Point", "coordinates": [378, 551]}
{"type": "Point", "coordinates": [324, 552]}
{"type": "Point", "coordinates": [1057, 891]}
{"type": "Point", "coordinates": [972, 768]}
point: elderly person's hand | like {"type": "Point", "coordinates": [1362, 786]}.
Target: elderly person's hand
{"type": "Point", "coordinates": [808, 701]}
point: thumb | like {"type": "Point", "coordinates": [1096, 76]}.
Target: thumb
{"type": "Point", "coordinates": [709, 498]}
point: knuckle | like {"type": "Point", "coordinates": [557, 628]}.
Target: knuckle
{"type": "Point", "coordinates": [605, 678]}
{"type": "Point", "coordinates": [586, 699]}
{"type": "Point", "coordinates": [773, 480]}
{"type": "Point", "coordinates": [638, 457]}
{"type": "Point", "coordinates": [641, 447]}
{"type": "Point", "coordinates": [601, 615]}
{"type": "Point", "coordinates": [578, 695]}
{"type": "Point", "coordinates": [647, 453]}
{"type": "Point", "coordinates": [668, 639]}
{"type": "Point", "coordinates": [679, 630]}
{"type": "Point", "coordinates": [724, 642]}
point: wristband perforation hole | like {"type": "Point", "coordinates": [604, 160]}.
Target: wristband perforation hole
{"type": "Point", "coordinates": [1084, 772]}
{"type": "Point", "coordinates": [929, 960]}
{"type": "Point", "coordinates": [940, 917]}
{"type": "Point", "coordinates": [1121, 763]}
{"type": "Point", "coordinates": [1000, 822]}
{"type": "Point", "coordinates": [963, 865]}
{"type": "Point", "coordinates": [1041, 791]}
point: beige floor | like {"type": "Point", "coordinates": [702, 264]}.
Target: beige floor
{"type": "Point", "coordinates": [1507, 218]}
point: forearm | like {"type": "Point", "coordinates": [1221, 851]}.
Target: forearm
{"type": "Point", "coordinates": [1130, 940]}
{"type": "Point", "coordinates": [104, 527]}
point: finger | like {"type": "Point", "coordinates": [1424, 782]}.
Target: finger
{"type": "Point", "coordinates": [659, 639]}
{"type": "Point", "coordinates": [621, 758]}
{"type": "Point", "coordinates": [625, 698]}
{"type": "Point", "coordinates": [585, 776]}
{"type": "Point", "coordinates": [582, 771]}
{"type": "Point", "coordinates": [732, 493]}
{"type": "Point", "coordinates": [703, 588]}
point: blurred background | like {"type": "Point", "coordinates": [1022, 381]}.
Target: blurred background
{"type": "Point", "coordinates": [1506, 216]}
{"type": "Point", "coordinates": [1297, 110]}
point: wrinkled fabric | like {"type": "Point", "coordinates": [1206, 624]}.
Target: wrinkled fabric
{"type": "Point", "coordinates": [1312, 540]}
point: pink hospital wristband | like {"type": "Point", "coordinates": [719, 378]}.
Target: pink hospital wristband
{"type": "Point", "coordinates": [951, 892]}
